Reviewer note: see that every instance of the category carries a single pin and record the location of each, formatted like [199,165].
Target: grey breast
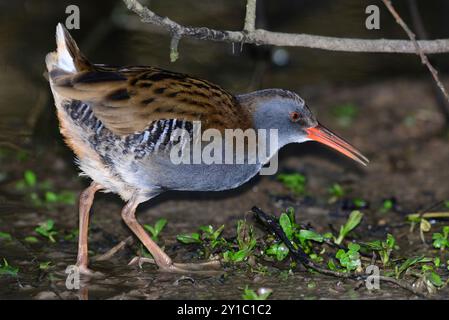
[143,159]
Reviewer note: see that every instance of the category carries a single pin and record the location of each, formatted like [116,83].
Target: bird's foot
[85,271]
[209,267]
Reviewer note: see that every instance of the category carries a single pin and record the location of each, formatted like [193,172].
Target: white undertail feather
[61,58]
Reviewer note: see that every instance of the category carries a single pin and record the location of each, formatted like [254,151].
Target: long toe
[85,271]
[209,267]
[205,268]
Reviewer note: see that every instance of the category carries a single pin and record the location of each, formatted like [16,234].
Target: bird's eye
[294,116]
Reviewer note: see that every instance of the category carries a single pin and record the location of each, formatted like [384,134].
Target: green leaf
[345,114]
[440,240]
[160,224]
[8,270]
[411,262]
[353,221]
[5,235]
[45,229]
[278,250]
[336,190]
[51,197]
[387,205]
[434,278]
[294,181]
[391,241]
[359,203]
[31,239]
[44,265]
[350,259]
[30,178]
[156,230]
[237,256]
[437,262]
[189,238]
[310,235]
[286,225]
[67,197]
[250,294]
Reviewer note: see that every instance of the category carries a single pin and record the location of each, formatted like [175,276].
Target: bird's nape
[323,135]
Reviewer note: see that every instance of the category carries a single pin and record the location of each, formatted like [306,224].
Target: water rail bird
[119,122]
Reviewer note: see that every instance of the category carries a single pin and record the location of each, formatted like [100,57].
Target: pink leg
[85,203]
[162,260]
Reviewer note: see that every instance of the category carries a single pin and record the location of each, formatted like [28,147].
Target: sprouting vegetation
[156,229]
[46,229]
[336,192]
[295,182]
[384,248]
[5,235]
[261,294]
[441,240]
[345,114]
[7,269]
[353,221]
[41,193]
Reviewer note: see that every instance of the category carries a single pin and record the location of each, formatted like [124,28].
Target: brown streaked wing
[128,100]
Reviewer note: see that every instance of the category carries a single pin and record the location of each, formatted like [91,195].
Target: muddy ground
[397,126]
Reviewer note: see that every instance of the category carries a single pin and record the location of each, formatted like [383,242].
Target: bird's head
[289,114]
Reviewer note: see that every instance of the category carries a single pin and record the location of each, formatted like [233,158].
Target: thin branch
[113,251]
[263,37]
[250,17]
[417,46]
[421,32]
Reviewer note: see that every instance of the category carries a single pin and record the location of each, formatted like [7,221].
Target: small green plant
[295,182]
[156,229]
[410,262]
[40,193]
[30,178]
[31,239]
[277,250]
[5,235]
[72,235]
[345,114]
[385,248]
[336,192]
[246,242]
[64,197]
[46,229]
[359,203]
[350,259]
[297,236]
[261,294]
[189,238]
[44,265]
[6,269]
[441,240]
[209,239]
[353,221]
[213,236]
[387,205]
[431,276]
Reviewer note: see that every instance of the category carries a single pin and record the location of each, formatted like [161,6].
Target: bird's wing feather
[128,100]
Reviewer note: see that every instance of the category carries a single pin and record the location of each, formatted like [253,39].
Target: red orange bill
[325,136]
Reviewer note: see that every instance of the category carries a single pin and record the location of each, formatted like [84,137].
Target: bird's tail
[67,58]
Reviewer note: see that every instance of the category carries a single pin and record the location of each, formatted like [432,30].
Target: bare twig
[264,37]
[120,246]
[422,34]
[417,46]
[250,17]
